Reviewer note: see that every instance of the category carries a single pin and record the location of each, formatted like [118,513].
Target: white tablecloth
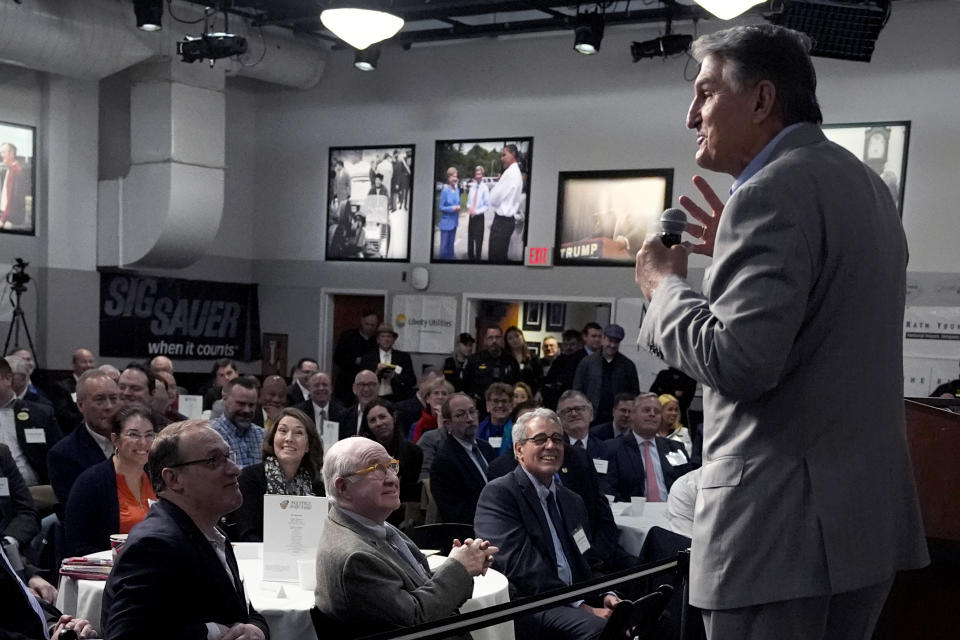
[285,606]
[633,529]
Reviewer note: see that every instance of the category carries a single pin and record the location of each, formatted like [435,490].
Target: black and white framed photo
[481,200]
[604,216]
[532,316]
[17,178]
[556,316]
[881,145]
[369,203]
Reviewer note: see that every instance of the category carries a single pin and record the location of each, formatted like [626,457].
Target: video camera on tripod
[18,278]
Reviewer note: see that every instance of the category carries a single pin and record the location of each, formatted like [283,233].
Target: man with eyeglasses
[542,531]
[459,472]
[370,576]
[576,414]
[177,576]
[89,443]
[365,390]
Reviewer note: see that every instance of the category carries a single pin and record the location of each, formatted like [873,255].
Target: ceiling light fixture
[727,9]
[366,60]
[149,14]
[840,29]
[361,28]
[588,33]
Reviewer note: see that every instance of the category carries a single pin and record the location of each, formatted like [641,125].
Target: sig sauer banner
[143,316]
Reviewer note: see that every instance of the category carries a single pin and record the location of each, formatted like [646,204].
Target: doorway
[340,312]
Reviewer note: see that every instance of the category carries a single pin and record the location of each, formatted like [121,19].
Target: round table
[285,605]
[633,529]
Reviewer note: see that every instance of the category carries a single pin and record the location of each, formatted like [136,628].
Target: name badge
[495,442]
[676,458]
[35,436]
[4,488]
[581,539]
[600,465]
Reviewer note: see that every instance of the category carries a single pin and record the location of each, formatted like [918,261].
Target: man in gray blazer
[371,577]
[803,514]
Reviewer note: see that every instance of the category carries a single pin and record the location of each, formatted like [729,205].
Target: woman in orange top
[113,496]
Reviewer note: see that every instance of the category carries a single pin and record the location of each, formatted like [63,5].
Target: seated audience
[321,405]
[136,385]
[459,472]
[540,529]
[177,576]
[171,414]
[365,386]
[436,394]
[292,459]
[114,495]
[299,391]
[111,371]
[97,398]
[408,411]
[670,426]
[495,428]
[28,612]
[380,426]
[643,463]
[371,577]
[224,370]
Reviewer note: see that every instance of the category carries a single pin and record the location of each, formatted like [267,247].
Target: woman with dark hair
[531,371]
[292,460]
[114,495]
[380,426]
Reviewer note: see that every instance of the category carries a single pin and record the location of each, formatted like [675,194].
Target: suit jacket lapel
[541,537]
[389,554]
[636,459]
[467,464]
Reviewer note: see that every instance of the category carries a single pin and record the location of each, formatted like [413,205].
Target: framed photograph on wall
[604,216]
[556,316]
[532,316]
[881,145]
[481,200]
[369,203]
[273,355]
[18,145]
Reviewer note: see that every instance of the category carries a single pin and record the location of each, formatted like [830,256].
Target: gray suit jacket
[364,584]
[806,487]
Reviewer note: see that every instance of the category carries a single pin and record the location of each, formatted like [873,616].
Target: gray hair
[573,393]
[338,461]
[519,431]
[645,396]
[756,52]
[86,376]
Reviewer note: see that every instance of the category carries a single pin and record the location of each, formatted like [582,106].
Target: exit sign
[539,257]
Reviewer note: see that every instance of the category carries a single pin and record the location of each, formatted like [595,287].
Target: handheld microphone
[672,224]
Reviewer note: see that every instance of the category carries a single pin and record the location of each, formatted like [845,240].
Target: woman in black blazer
[292,460]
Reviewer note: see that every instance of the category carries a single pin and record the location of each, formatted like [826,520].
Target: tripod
[18,284]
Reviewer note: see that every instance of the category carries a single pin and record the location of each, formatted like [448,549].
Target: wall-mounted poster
[604,216]
[881,145]
[532,316]
[17,161]
[480,200]
[369,201]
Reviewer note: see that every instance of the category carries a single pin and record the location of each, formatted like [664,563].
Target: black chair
[639,619]
[327,627]
[440,535]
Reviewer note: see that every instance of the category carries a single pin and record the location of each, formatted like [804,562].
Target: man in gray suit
[371,577]
[803,515]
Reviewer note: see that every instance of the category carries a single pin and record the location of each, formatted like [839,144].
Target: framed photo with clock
[881,145]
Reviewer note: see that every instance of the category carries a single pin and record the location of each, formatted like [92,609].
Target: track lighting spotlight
[588,33]
[149,14]
[366,59]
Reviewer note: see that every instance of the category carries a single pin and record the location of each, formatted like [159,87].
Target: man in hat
[393,367]
[453,366]
[605,373]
